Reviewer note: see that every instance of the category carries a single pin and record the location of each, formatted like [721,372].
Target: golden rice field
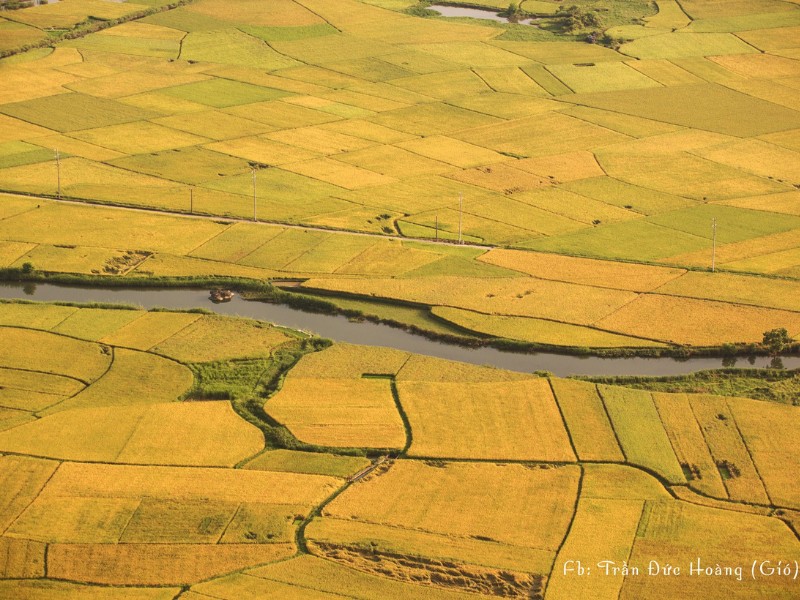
[155,491]
[499,182]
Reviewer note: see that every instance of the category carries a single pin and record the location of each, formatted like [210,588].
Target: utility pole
[460,213]
[191,201]
[254,195]
[58,172]
[714,245]
[437,228]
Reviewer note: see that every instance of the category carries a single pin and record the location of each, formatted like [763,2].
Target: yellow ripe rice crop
[280,115]
[138,138]
[69,260]
[157,564]
[318,141]
[678,532]
[177,266]
[75,519]
[670,15]
[522,296]
[150,329]
[40,382]
[116,85]
[757,157]
[71,12]
[338,173]
[769,432]
[513,421]
[24,559]
[615,275]
[739,251]
[731,455]
[698,106]
[56,354]
[33,316]
[601,77]
[764,66]
[738,289]
[236,242]
[542,135]
[689,444]
[697,322]
[181,483]
[413,542]
[11,251]
[620,482]
[327,579]
[481,495]
[281,13]
[562,167]
[58,590]
[313,463]
[580,209]
[22,479]
[75,147]
[166,521]
[241,585]
[392,258]
[587,422]
[343,412]
[345,361]
[218,338]
[196,433]
[590,541]
[683,45]
[510,80]
[538,331]
[213,124]
[506,106]
[664,72]
[501,178]
[640,432]
[395,162]
[427,368]
[134,378]
[262,150]
[785,202]
[94,323]
[331,254]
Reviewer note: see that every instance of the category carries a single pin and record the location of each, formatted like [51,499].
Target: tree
[776,340]
[575,18]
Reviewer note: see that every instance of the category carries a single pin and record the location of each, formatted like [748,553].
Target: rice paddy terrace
[604,178]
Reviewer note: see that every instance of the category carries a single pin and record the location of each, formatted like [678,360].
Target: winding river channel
[341,329]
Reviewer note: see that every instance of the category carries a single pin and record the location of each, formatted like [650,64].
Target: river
[341,329]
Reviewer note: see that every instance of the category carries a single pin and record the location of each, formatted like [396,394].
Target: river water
[341,329]
[476,13]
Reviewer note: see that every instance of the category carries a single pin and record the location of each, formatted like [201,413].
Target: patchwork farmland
[607,178]
[254,492]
